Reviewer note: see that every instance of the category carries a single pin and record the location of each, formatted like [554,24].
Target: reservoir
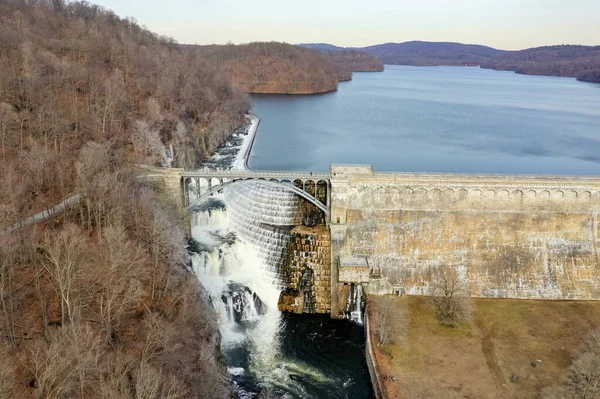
[435,119]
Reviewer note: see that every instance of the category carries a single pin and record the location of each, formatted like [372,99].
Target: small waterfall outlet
[355,304]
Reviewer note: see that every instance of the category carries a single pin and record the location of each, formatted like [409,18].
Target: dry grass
[477,360]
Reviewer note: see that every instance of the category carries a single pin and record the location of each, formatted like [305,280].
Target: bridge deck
[234,174]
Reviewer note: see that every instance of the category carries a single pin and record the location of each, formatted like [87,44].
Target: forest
[101,302]
[581,62]
[280,68]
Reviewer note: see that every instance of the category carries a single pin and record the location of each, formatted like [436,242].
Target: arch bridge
[314,187]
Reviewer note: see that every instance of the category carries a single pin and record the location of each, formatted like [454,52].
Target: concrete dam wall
[507,236]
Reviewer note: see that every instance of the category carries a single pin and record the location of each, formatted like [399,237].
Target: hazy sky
[505,24]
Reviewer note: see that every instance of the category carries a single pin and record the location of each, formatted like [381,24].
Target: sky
[503,24]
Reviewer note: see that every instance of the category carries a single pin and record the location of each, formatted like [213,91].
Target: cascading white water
[355,304]
[240,245]
[240,238]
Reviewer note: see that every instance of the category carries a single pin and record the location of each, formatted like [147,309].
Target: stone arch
[461,193]
[571,194]
[543,194]
[476,193]
[435,193]
[516,194]
[310,187]
[420,192]
[214,181]
[530,194]
[557,194]
[502,193]
[489,193]
[585,194]
[321,193]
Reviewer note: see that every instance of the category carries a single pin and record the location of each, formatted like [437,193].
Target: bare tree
[7,115]
[68,364]
[7,372]
[449,297]
[151,383]
[120,275]
[63,257]
[146,141]
[125,379]
[584,381]
[390,321]
[8,247]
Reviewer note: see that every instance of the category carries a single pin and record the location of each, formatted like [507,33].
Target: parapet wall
[509,236]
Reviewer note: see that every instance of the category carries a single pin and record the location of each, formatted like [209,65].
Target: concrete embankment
[241,161]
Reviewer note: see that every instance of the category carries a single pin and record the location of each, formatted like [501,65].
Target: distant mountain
[432,53]
[357,61]
[324,47]
[420,53]
[582,62]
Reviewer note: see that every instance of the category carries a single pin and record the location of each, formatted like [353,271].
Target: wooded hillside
[582,62]
[357,61]
[431,53]
[100,302]
[275,67]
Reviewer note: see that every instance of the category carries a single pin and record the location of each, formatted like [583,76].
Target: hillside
[356,61]
[431,53]
[582,62]
[275,67]
[324,47]
[100,302]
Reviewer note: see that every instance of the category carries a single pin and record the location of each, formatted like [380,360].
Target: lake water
[435,119]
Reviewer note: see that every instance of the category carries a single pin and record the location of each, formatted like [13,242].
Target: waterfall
[355,304]
[239,239]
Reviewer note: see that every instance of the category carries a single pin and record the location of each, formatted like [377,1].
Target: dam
[508,236]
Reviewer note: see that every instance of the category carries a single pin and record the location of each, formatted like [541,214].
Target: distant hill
[582,62]
[420,53]
[356,61]
[431,53]
[324,47]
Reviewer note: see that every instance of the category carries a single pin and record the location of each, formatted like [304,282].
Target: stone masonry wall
[306,269]
[508,236]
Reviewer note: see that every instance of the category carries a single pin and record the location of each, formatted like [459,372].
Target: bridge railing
[254,173]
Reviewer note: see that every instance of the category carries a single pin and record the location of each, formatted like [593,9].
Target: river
[435,119]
